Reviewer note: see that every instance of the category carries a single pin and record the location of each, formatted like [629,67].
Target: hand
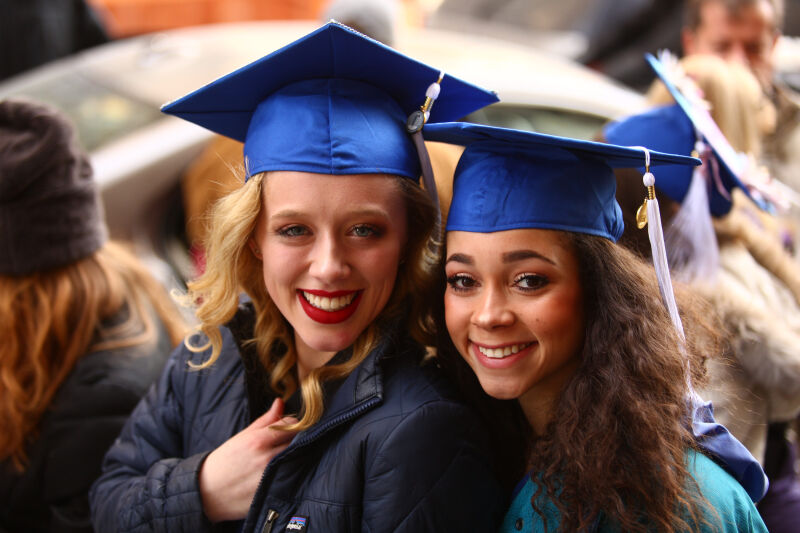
[230,474]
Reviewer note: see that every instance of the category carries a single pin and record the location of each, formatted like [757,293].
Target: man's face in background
[747,34]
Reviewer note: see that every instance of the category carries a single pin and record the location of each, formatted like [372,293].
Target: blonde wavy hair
[51,319]
[231,267]
[738,105]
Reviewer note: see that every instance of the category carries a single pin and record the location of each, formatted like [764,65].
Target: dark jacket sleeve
[432,471]
[146,483]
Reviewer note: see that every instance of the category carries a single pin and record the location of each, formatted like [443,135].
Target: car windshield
[100,115]
[562,122]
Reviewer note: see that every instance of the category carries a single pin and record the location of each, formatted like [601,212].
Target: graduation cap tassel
[416,121]
[649,214]
[715,437]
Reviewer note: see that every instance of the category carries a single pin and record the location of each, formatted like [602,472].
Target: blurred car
[113,93]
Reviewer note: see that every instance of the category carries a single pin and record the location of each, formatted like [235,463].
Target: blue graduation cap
[510,179]
[675,129]
[332,102]
[668,128]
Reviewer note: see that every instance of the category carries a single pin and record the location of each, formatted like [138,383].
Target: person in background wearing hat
[550,313]
[721,248]
[307,407]
[85,327]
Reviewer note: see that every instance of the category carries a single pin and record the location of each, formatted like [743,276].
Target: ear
[254,248]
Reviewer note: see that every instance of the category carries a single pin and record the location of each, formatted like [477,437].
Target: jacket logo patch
[297,523]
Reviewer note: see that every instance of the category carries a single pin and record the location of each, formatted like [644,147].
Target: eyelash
[373,230]
[289,231]
[538,281]
[286,231]
[453,280]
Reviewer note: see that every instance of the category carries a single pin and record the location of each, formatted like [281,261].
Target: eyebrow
[519,255]
[461,258]
[366,212]
[508,257]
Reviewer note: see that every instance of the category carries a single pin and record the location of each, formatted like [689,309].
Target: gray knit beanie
[50,211]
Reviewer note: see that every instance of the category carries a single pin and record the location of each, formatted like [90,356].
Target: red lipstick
[328,317]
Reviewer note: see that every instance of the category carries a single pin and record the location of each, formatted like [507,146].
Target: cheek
[381,263]
[562,317]
[456,315]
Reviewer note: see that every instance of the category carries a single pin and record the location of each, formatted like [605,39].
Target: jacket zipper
[272,515]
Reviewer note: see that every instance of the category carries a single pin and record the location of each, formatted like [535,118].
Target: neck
[539,403]
[308,358]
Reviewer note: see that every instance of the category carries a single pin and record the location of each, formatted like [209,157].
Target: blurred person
[747,31]
[308,406]
[85,327]
[374,18]
[33,32]
[730,255]
[552,315]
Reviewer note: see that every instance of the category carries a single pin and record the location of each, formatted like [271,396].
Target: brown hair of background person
[738,30]
[85,327]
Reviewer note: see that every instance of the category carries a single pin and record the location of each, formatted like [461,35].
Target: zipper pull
[272,515]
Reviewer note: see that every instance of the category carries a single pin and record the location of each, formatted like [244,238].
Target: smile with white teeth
[329,304]
[505,351]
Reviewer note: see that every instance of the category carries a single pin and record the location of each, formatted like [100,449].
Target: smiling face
[330,247]
[513,308]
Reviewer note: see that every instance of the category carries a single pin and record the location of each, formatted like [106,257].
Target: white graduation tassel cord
[659,253]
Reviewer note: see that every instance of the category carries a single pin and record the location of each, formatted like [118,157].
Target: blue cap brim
[464,134]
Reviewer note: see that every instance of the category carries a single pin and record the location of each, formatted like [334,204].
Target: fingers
[270,417]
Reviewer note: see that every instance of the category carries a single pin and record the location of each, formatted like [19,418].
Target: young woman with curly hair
[86,328]
[548,311]
[308,407]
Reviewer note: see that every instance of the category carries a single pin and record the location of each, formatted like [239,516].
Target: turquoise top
[735,511]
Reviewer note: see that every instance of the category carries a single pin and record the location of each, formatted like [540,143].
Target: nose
[737,54]
[492,311]
[329,259]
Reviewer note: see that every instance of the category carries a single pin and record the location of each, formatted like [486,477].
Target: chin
[499,390]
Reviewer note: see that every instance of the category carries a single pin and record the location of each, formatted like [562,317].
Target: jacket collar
[357,392]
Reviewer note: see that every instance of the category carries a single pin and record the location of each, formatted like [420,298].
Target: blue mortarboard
[510,179]
[675,129]
[332,102]
[668,128]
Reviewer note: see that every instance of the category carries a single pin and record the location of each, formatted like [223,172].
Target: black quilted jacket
[394,451]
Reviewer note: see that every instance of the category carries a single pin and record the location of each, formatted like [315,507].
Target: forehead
[759,11]
[490,245]
[306,191]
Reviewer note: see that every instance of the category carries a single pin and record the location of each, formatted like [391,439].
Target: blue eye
[530,282]
[293,231]
[365,230]
[461,282]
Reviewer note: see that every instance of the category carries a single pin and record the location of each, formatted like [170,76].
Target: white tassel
[659,253]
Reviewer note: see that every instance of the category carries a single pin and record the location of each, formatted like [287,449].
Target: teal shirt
[735,511]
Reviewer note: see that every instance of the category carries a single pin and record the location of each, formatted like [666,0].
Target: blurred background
[559,66]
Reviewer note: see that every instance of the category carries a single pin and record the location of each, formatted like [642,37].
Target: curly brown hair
[616,444]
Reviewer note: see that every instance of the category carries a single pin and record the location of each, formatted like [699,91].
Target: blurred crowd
[86,329]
